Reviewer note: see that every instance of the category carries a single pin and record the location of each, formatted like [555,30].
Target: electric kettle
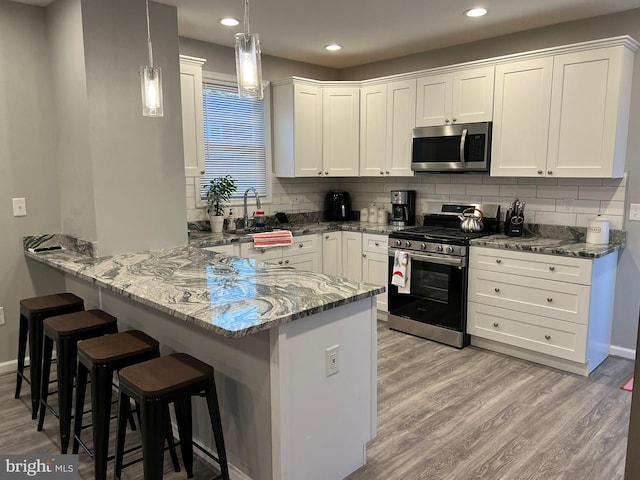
[471,220]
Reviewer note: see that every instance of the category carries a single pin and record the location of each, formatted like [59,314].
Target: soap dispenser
[231,222]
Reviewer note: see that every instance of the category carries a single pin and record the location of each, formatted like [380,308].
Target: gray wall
[27,167]
[625,324]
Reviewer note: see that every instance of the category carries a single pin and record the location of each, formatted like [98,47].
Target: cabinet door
[307,119]
[192,117]
[352,255]
[341,131]
[307,261]
[272,255]
[473,95]
[332,253]
[373,130]
[375,271]
[521,118]
[433,100]
[401,112]
[587,117]
[228,249]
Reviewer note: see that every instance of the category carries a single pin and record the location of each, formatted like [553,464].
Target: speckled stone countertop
[230,296]
[566,246]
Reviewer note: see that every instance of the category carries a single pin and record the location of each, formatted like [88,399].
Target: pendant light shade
[248,62]
[151,81]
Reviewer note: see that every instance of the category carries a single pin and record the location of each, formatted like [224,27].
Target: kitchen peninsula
[266,330]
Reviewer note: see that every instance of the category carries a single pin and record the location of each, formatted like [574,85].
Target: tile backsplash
[553,201]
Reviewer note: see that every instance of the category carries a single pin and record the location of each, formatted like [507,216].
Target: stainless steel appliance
[337,205]
[403,207]
[462,147]
[435,305]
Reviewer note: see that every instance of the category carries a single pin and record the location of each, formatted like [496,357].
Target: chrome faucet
[246,214]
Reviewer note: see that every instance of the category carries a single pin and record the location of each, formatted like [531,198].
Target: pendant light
[248,64]
[151,81]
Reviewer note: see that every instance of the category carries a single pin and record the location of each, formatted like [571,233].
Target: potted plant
[221,189]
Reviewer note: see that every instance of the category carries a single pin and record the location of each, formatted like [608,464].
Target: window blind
[234,138]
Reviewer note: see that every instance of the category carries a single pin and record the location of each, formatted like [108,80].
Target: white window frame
[268,199]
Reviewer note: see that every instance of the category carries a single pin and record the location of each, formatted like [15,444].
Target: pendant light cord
[246,18]
[149,35]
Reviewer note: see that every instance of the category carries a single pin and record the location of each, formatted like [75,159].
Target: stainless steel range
[432,303]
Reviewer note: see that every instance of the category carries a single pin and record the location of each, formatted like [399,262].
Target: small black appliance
[403,207]
[337,205]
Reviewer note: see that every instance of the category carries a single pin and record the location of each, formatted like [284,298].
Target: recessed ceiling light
[476,12]
[229,22]
[334,47]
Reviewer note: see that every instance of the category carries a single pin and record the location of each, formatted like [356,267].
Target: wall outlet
[19,207]
[332,360]
[634,212]
[1,315]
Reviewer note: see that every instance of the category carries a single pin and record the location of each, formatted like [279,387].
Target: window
[236,136]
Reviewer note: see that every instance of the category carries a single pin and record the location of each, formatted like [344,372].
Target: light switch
[19,207]
[634,212]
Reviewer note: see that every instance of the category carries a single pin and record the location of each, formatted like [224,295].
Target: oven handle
[452,261]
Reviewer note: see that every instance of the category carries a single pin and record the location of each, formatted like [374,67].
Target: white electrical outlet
[19,207]
[1,315]
[634,212]
[332,360]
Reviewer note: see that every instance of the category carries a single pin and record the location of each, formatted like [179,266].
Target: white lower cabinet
[352,255]
[554,310]
[232,249]
[303,253]
[332,253]
[375,261]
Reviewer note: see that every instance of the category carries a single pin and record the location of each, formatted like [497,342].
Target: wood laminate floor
[443,414]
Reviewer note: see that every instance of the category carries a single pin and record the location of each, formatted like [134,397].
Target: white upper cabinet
[590,101]
[192,115]
[563,116]
[464,96]
[387,114]
[315,129]
[521,118]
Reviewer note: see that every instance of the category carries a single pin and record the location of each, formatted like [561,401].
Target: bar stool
[100,357]
[153,385]
[33,311]
[66,331]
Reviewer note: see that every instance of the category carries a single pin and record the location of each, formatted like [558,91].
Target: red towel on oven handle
[280,238]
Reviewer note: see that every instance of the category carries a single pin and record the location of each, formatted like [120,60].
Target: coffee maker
[403,207]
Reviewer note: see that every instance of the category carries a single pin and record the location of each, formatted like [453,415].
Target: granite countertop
[570,247]
[230,296]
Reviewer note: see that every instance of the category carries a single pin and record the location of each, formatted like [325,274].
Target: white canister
[364,214]
[382,217]
[373,212]
[598,230]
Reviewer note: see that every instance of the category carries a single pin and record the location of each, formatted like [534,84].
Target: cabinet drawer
[552,337]
[247,250]
[228,249]
[303,244]
[374,243]
[566,301]
[551,267]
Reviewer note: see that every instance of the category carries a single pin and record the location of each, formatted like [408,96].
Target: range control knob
[449,249]
[423,246]
[407,243]
[398,243]
[439,248]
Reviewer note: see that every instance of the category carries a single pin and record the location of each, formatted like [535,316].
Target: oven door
[437,291]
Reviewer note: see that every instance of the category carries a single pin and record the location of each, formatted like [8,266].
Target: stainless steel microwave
[464,147]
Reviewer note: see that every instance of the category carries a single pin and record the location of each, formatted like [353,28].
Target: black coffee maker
[403,207]
[337,205]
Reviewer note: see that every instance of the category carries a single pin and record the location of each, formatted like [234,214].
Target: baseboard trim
[622,352]
[10,366]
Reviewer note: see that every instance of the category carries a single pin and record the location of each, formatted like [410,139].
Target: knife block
[511,229]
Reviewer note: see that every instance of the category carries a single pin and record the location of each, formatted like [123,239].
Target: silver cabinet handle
[387,172]
[202,172]
[552,268]
[495,324]
[326,237]
[377,244]
[497,290]
[286,262]
[300,245]
[319,173]
[454,119]
[280,262]
[364,255]
[263,250]
[549,172]
[446,120]
[549,299]
[326,173]
[540,172]
[547,337]
[381,172]
[498,260]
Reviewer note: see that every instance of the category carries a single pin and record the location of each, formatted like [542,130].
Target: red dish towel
[280,238]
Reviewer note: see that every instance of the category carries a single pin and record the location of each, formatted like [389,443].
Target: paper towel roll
[598,230]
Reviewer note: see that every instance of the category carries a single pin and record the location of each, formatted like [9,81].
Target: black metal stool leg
[185,430]
[22,351]
[101,378]
[216,425]
[123,411]
[171,442]
[35,359]
[153,436]
[67,355]
[81,387]
[44,392]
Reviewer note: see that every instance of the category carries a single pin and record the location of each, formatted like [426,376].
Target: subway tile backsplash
[555,201]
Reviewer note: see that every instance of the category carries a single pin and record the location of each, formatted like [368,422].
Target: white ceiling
[373,30]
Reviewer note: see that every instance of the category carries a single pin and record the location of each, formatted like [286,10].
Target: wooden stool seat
[32,313]
[99,358]
[153,385]
[66,331]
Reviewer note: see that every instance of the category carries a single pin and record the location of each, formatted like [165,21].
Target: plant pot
[217,221]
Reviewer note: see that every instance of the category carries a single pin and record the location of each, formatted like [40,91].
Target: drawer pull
[364,255]
[326,237]
[286,262]
[549,299]
[263,250]
[377,244]
[280,262]
[496,324]
[498,260]
[300,245]
[547,337]
[552,268]
[497,290]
